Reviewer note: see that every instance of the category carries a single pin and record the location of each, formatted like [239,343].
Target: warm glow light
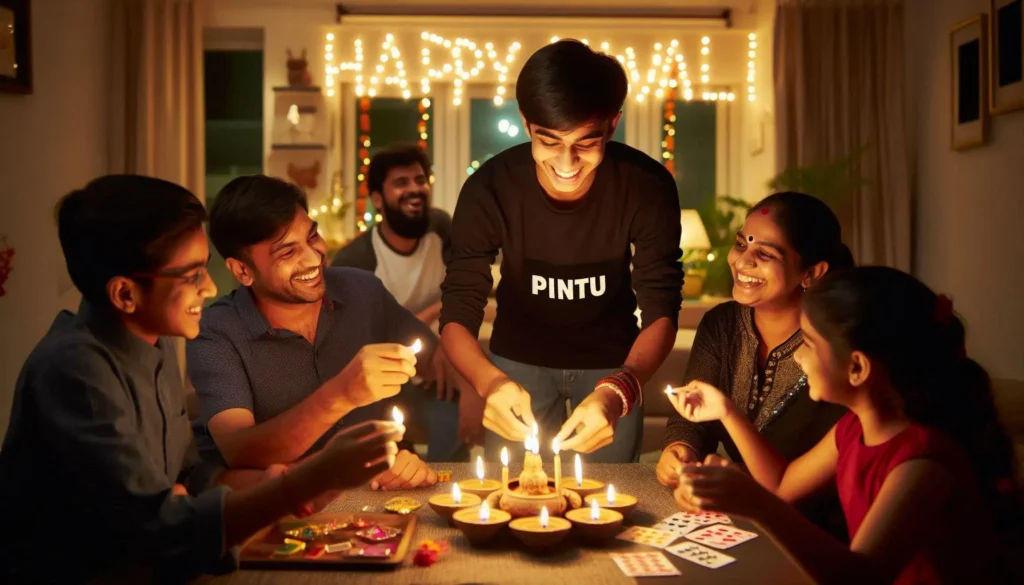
[544,517]
[595,512]
[330,36]
[554,445]
[504,456]
[485,512]
[397,416]
[456,493]
[611,494]
[416,346]
[480,468]
[669,390]
[579,471]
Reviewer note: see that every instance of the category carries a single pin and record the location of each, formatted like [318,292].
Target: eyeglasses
[193,279]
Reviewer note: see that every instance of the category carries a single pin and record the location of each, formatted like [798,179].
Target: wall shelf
[298,88]
[299,146]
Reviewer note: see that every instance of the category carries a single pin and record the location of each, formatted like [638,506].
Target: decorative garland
[364,164]
[6,263]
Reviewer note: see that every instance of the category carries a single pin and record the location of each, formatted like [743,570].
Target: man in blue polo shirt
[290,357]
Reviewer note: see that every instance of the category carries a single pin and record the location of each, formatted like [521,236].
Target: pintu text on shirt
[568,288]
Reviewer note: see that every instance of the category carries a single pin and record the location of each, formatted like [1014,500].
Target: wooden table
[757,561]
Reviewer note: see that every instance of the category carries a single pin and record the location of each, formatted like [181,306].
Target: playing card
[648,564]
[702,555]
[679,524]
[720,536]
[648,536]
[706,518]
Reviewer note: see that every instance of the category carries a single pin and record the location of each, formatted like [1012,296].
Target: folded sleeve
[89,416]
[475,241]
[654,233]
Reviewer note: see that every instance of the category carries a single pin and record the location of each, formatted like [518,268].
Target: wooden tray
[258,551]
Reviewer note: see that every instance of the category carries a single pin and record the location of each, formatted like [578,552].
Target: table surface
[757,560]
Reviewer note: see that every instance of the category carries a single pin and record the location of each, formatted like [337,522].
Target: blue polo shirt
[240,361]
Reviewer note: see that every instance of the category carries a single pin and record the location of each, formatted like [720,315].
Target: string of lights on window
[460,61]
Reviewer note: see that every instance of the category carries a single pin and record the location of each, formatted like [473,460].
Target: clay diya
[480,525]
[595,525]
[480,486]
[445,505]
[582,485]
[540,533]
[621,503]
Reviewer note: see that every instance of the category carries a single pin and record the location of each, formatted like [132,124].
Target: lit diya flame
[669,390]
[544,517]
[397,416]
[480,468]
[611,494]
[485,512]
[504,456]
[416,346]
[579,471]
[595,512]
[456,493]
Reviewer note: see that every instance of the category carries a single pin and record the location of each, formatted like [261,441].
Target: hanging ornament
[6,263]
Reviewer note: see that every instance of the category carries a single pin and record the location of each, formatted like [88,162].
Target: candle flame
[397,415]
[456,493]
[480,468]
[416,346]
[579,471]
[544,517]
[554,445]
[669,390]
[595,512]
[504,456]
[611,494]
[485,512]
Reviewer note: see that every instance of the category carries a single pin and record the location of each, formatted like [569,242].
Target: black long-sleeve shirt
[566,297]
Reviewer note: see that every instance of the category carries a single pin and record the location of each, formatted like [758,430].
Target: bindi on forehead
[765,211]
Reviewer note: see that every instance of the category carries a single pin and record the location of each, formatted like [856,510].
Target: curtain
[156,110]
[839,87]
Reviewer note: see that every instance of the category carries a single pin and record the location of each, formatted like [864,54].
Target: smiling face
[171,302]
[826,375]
[405,200]
[566,160]
[288,267]
[766,271]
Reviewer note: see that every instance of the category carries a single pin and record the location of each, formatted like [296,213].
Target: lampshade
[694,236]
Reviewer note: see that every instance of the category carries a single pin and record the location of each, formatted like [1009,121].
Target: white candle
[558,467]
[416,346]
[579,471]
[611,494]
[485,512]
[544,517]
[504,466]
[456,493]
[480,469]
[595,512]
[397,416]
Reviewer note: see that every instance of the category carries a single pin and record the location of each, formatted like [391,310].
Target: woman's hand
[700,402]
[723,488]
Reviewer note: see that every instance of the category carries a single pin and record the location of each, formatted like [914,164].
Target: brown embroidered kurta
[724,354]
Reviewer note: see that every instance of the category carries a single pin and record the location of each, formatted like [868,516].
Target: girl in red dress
[923,468]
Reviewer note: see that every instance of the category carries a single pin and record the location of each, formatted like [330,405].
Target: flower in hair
[943,309]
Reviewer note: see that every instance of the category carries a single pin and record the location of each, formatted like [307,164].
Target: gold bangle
[621,394]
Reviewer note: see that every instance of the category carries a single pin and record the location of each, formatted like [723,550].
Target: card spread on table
[720,536]
[702,555]
[648,536]
[706,518]
[678,524]
[648,564]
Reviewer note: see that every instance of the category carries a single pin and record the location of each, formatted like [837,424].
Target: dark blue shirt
[239,361]
[99,435]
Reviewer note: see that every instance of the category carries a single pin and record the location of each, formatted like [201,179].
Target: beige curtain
[156,111]
[838,86]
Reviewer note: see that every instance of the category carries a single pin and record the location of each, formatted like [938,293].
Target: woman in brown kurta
[745,346]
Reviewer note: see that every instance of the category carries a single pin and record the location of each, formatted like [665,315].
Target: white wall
[754,143]
[53,141]
[969,211]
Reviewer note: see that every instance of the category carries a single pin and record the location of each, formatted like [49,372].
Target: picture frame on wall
[15,47]
[968,42]
[1006,56]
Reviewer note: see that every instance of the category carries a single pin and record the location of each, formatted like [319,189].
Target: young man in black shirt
[570,212]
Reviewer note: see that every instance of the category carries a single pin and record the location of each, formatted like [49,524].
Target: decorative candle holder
[538,537]
[589,486]
[517,500]
[480,531]
[445,505]
[623,503]
[480,487]
[595,525]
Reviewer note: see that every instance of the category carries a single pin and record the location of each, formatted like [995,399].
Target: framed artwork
[1006,55]
[15,47]
[969,96]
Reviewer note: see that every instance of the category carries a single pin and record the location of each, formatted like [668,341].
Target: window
[495,128]
[383,121]
[689,138]
[233,82]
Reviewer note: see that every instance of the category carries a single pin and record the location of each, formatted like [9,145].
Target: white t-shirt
[413,279]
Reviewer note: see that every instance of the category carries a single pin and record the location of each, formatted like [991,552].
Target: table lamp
[694,238]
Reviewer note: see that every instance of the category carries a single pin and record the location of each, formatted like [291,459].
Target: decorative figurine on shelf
[6,263]
[307,177]
[298,70]
[533,491]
